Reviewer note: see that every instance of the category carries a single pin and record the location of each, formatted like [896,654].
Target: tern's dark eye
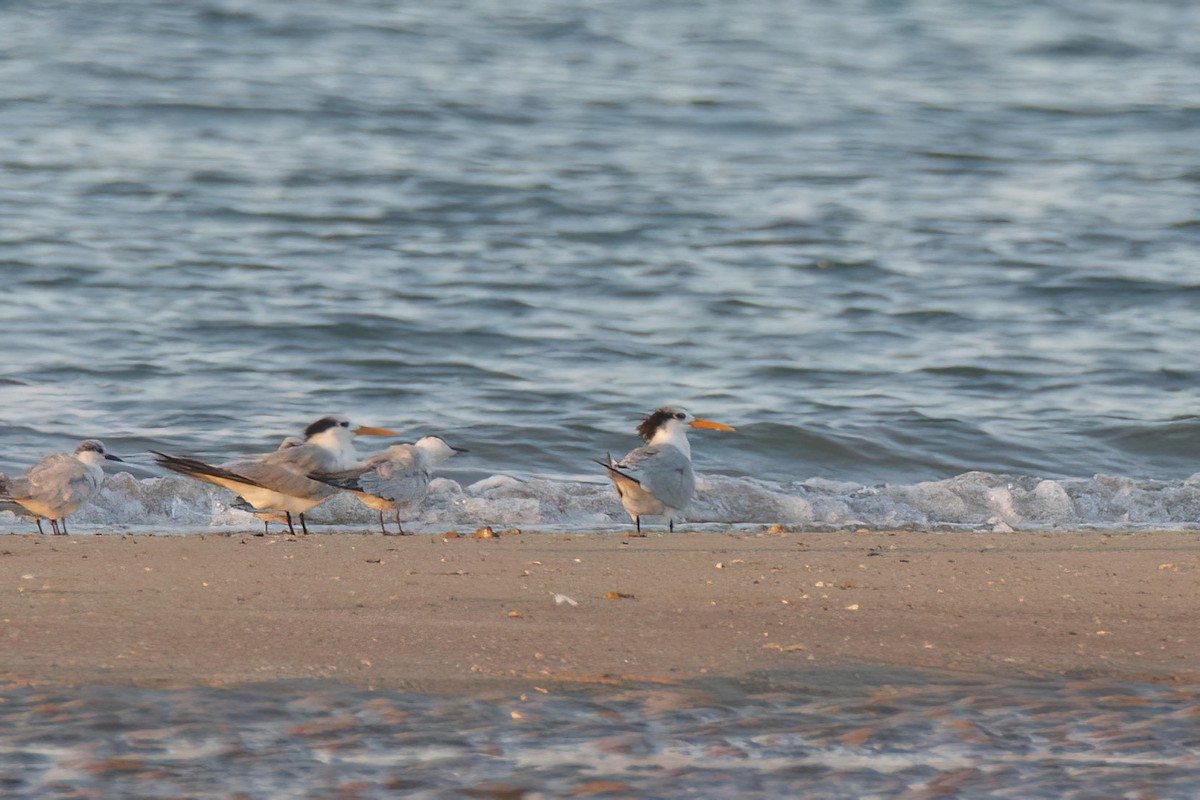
[344,424]
[678,415]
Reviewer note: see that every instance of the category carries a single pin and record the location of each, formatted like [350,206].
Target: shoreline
[429,614]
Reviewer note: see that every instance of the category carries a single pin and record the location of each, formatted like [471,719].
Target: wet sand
[447,615]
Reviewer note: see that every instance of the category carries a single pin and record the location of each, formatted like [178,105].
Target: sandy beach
[434,614]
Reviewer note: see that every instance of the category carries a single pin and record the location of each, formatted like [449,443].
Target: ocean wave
[973,501]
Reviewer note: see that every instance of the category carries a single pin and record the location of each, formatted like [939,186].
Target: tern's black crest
[324,424]
[656,420]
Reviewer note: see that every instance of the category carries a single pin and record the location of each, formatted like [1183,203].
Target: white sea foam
[978,501]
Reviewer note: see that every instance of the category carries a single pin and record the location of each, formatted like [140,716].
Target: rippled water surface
[935,260]
[900,242]
[914,737]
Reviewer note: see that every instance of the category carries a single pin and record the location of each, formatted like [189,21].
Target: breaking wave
[976,501]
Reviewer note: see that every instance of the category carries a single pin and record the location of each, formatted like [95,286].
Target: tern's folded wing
[281,479]
[302,459]
[401,480]
[663,471]
[61,478]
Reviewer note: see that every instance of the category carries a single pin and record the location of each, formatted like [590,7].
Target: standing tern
[658,479]
[394,479]
[279,481]
[59,484]
[267,516]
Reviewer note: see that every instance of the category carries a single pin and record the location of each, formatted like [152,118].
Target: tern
[395,479]
[279,481]
[267,516]
[59,484]
[658,480]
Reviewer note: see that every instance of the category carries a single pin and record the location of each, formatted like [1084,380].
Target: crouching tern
[59,484]
[658,480]
[396,479]
[279,481]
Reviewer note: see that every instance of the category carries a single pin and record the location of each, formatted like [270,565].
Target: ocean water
[935,260]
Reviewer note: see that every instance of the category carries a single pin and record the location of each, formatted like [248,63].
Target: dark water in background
[890,241]
[947,246]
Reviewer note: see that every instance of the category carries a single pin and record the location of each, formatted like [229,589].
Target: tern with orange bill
[658,480]
[279,481]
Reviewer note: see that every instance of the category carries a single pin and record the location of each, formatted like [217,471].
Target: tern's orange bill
[363,430]
[708,423]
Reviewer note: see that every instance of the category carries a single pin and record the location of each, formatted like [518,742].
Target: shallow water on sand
[850,734]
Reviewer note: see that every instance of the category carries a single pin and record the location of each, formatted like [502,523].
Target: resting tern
[658,479]
[394,479]
[279,481]
[59,484]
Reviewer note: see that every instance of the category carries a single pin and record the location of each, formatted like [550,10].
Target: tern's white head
[335,434]
[335,429]
[92,453]
[436,449]
[668,425]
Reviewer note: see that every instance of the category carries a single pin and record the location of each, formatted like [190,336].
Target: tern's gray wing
[663,471]
[61,481]
[397,474]
[19,486]
[403,478]
[279,478]
[248,472]
[304,458]
[9,505]
[348,478]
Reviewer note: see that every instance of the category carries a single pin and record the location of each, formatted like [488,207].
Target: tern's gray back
[14,487]
[663,471]
[403,476]
[280,477]
[287,469]
[304,459]
[61,481]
